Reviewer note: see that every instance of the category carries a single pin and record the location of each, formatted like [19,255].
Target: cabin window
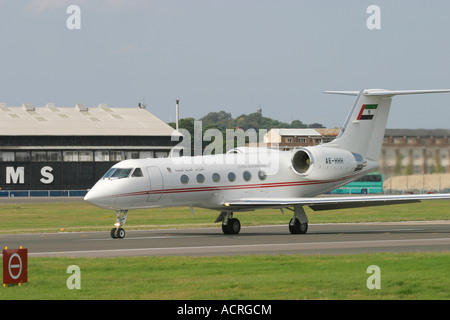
[247,175]
[262,175]
[184,179]
[200,178]
[231,176]
[216,177]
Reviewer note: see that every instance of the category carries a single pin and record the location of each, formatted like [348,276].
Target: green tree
[223,120]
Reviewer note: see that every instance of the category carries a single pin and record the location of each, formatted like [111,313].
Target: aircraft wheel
[225,229]
[235,226]
[295,227]
[117,233]
[120,233]
[232,227]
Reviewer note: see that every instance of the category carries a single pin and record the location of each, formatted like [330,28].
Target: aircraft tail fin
[363,130]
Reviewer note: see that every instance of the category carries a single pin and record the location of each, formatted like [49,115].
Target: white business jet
[247,179]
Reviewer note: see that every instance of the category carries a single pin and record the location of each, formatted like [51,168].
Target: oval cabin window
[184,179]
[200,178]
[216,177]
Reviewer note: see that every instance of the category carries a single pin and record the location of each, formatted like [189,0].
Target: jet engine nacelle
[319,163]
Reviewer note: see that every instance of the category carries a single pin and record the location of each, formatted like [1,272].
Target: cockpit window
[121,173]
[137,173]
[109,173]
[117,173]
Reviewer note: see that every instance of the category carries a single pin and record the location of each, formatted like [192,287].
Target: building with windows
[415,151]
[290,138]
[55,148]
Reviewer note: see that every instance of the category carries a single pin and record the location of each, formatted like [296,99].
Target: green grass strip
[287,277]
[80,216]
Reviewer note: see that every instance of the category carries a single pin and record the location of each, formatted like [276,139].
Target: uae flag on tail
[367,112]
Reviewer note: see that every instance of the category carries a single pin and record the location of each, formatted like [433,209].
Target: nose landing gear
[118,232]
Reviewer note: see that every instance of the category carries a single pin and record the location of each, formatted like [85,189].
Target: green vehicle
[371,183]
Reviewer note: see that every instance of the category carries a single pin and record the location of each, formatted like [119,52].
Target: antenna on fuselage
[177,113]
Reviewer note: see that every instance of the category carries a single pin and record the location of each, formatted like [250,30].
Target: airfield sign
[15,266]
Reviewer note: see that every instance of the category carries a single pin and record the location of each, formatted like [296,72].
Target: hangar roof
[80,121]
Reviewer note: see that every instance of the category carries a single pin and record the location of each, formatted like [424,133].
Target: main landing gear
[118,232]
[230,225]
[297,225]
[299,222]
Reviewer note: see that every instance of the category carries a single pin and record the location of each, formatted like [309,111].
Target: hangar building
[51,148]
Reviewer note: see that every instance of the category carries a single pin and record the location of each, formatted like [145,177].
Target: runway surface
[320,239]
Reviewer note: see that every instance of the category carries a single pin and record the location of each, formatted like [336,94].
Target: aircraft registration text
[334,160]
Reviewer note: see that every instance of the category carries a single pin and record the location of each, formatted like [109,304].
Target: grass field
[403,276]
[80,216]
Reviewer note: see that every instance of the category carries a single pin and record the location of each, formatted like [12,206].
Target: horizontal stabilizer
[383,92]
[345,93]
[402,92]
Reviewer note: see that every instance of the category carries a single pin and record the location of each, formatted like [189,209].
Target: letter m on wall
[15,175]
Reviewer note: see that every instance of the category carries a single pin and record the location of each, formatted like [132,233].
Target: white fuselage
[211,181]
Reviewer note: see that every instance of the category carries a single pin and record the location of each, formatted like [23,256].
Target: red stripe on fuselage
[230,187]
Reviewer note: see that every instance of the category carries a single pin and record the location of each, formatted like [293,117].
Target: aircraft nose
[89,196]
[96,197]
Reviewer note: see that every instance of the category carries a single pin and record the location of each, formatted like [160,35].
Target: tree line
[223,120]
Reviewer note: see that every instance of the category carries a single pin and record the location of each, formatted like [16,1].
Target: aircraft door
[156,184]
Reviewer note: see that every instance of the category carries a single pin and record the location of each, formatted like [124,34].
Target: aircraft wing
[332,202]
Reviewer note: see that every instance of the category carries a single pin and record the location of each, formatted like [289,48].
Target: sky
[231,55]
